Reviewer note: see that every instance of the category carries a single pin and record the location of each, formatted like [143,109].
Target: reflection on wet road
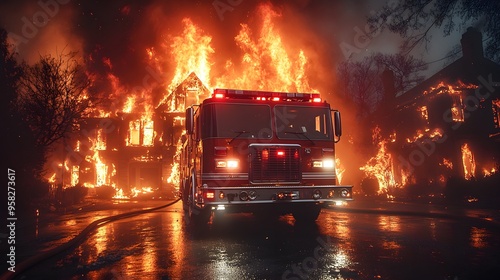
[238,246]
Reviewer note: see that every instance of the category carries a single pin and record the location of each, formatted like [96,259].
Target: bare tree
[19,149]
[406,69]
[53,97]
[415,19]
[360,83]
[361,80]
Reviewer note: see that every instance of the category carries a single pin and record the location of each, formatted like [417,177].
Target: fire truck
[268,153]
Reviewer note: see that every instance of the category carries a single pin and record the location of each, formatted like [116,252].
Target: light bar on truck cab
[265,95]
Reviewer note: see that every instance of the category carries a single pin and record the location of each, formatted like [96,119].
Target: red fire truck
[260,152]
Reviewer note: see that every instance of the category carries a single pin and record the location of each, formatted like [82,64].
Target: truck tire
[306,213]
[196,216]
[185,195]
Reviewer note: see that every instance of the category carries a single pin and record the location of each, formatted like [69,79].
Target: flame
[405,177]
[469,163]
[266,63]
[443,87]
[100,143]
[496,112]
[148,127]
[102,174]
[457,110]
[141,132]
[52,179]
[339,170]
[434,135]
[101,170]
[120,195]
[393,137]
[381,166]
[75,175]
[489,171]
[174,174]
[447,163]
[191,52]
[129,104]
[144,190]
[423,111]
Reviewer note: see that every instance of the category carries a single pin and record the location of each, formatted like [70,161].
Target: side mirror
[337,125]
[190,120]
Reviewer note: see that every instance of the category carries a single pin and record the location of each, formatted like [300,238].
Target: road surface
[343,244]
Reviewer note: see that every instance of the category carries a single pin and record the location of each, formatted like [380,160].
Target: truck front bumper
[251,195]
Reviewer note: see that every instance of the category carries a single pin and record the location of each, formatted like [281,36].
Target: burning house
[132,144]
[449,125]
[133,152]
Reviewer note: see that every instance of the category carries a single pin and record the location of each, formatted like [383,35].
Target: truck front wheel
[195,216]
[306,213]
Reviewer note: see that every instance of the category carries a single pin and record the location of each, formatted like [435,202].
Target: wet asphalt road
[341,245]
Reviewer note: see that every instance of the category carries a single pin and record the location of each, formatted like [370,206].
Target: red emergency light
[266,95]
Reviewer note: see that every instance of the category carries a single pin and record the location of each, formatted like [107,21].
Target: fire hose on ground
[32,261]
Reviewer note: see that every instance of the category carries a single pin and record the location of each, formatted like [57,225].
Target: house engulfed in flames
[132,152]
[448,126]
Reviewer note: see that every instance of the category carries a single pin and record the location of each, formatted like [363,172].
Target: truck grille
[274,163]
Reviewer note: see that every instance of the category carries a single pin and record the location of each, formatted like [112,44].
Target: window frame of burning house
[238,120]
[495,106]
[315,123]
[457,108]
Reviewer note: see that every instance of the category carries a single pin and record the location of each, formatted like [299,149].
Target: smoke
[39,28]
[113,36]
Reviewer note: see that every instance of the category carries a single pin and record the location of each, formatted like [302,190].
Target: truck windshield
[237,121]
[308,123]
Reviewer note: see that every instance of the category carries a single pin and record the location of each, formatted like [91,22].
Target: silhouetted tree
[406,69]
[18,143]
[361,80]
[415,19]
[53,97]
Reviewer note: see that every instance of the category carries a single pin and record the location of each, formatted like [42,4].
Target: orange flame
[129,104]
[381,166]
[174,177]
[191,52]
[447,163]
[489,171]
[442,87]
[266,63]
[469,163]
[434,135]
[339,170]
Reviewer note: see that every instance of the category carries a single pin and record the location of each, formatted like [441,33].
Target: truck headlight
[325,163]
[328,163]
[226,163]
[232,164]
